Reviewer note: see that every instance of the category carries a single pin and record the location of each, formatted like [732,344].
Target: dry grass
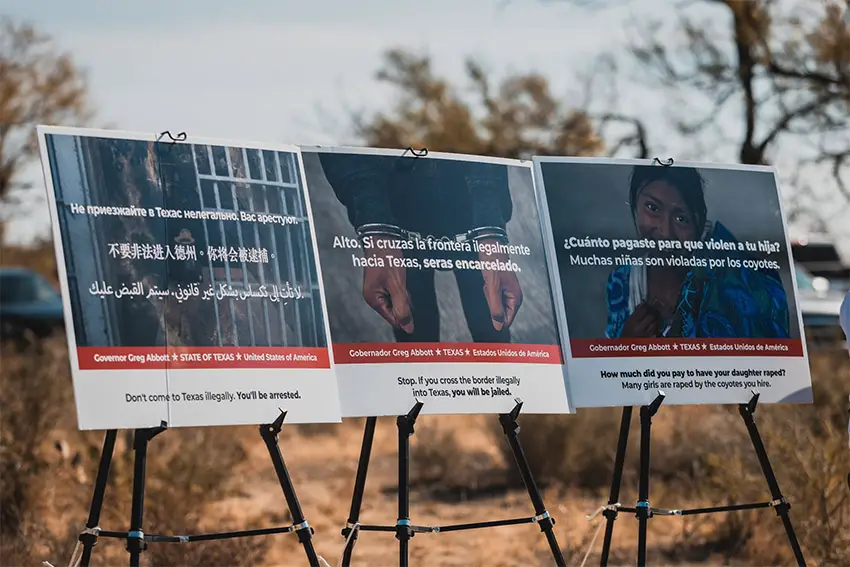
[703,456]
[448,465]
[216,479]
[809,450]
[48,468]
[34,405]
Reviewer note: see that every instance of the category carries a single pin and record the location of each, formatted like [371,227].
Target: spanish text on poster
[439,289]
[674,278]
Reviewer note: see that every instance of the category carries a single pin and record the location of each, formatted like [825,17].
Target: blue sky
[288,71]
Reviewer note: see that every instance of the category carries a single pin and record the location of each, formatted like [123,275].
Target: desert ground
[203,480]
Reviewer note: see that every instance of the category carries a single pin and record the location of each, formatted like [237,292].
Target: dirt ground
[203,480]
[323,468]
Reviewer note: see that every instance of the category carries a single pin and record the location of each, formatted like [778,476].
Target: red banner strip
[624,348]
[180,358]
[390,353]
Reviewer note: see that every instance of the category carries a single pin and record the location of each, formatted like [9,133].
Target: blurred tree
[759,74]
[515,119]
[764,74]
[38,85]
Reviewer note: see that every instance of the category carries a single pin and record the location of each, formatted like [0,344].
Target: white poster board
[189,279]
[677,279]
[437,283]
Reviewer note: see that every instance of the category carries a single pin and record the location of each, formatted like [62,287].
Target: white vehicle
[820,305]
[820,256]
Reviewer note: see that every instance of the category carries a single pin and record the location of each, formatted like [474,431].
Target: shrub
[703,453]
[35,400]
[807,445]
[449,459]
[576,450]
[44,495]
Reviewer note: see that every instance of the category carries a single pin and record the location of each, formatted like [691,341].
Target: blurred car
[820,306]
[819,256]
[28,304]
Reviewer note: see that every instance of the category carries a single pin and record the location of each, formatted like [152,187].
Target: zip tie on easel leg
[77,554]
[782,502]
[603,509]
[417,529]
[600,510]
[352,530]
[540,517]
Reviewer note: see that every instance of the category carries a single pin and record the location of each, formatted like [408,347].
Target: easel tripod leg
[89,539]
[780,504]
[616,482]
[403,531]
[644,511]
[546,523]
[359,487]
[303,530]
[136,537]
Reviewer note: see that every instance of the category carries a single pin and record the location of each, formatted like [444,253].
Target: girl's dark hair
[686,179]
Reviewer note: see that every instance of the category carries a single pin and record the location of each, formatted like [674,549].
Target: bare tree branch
[776,73]
[38,85]
[637,138]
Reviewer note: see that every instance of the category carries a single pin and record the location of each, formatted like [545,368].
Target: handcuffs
[481,233]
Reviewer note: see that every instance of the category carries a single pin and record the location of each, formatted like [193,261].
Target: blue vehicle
[28,304]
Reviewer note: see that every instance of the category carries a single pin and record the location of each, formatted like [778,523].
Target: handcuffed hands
[501,290]
[385,291]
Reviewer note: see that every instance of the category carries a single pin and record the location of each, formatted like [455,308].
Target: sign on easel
[438,289]
[672,277]
[189,280]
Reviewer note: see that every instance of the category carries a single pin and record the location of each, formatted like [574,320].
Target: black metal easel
[644,511]
[403,528]
[137,540]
